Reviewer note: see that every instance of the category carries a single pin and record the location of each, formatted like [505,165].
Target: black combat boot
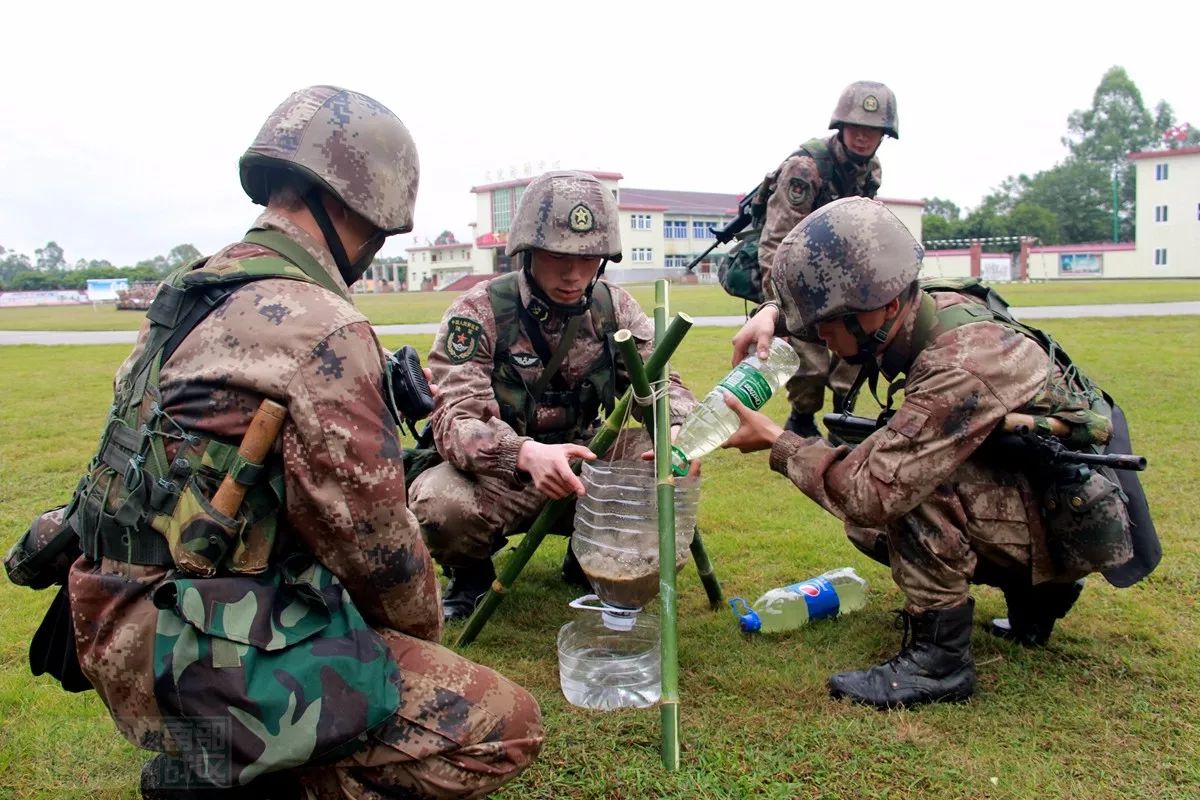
[934,664]
[801,425]
[166,777]
[1033,610]
[572,573]
[468,584]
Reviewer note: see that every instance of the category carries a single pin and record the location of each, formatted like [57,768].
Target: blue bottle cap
[747,618]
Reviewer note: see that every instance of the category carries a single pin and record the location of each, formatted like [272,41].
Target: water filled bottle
[611,659]
[752,381]
[839,591]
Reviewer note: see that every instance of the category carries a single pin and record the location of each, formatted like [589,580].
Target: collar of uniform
[899,355]
[539,309]
[273,221]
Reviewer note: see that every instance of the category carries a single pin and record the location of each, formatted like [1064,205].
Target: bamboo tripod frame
[667,339]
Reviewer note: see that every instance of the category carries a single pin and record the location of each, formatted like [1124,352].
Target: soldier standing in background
[945,512]
[821,171]
[524,365]
[314,635]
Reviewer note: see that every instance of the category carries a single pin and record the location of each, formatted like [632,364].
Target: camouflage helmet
[346,143]
[566,212]
[850,255]
[870,104]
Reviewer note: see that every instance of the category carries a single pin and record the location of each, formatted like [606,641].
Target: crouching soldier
[925,493]
[525,364]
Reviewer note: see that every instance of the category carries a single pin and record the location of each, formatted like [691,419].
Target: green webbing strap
[293,252]
[551,368]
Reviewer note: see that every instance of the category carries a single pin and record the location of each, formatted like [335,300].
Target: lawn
[700,301]
[1110,710]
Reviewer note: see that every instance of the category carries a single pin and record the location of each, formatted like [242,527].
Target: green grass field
[1110,710]
[698,301]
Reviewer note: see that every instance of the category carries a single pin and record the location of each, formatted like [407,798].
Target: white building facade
[1168,213]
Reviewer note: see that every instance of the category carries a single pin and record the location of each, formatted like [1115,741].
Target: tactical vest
[581,403]
[138,506]
[739,272]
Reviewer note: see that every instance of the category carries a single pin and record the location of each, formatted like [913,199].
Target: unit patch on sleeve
[462,338]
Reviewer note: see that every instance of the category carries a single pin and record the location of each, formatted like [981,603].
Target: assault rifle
[1016,438]
[725,233]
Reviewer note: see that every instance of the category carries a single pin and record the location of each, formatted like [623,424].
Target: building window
[639,222]
[642,254]
[1160,256]
[676,261]
[1160,172]
[1160,213]
[701,230]
[675,229]
[501,210]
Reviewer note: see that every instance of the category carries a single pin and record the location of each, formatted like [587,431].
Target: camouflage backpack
[738,271]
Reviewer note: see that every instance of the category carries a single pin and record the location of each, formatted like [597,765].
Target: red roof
[710,203]
[491,187]
[1182,151]
[892,201]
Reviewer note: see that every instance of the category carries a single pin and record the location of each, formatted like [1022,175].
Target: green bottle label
[679,462]
[748,385]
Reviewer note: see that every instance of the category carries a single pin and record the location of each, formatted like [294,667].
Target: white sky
[122,123]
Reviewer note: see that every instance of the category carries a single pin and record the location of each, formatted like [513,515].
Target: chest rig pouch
[546,408]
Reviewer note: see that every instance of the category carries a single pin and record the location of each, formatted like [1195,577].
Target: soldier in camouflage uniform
[338,174]
[944,514]
[524,364]
[843,165]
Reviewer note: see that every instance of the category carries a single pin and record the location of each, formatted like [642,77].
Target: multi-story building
[661,229]
[1168,213]
[436,266]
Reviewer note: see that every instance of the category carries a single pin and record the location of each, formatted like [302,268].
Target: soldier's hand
[757,333]
[549,465]
[757,431]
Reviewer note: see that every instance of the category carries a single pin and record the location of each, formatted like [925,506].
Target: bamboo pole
[638,381]
[554,509]
[668,630]
[708,576]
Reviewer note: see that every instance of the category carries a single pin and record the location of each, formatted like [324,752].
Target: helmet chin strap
[566,309]
[350,272]
[869,344]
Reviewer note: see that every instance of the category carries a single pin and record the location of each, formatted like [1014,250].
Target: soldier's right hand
[549,466]
[757,332]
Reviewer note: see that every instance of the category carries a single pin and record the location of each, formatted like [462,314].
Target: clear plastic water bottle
[604,667]
[752,381]
[837,592]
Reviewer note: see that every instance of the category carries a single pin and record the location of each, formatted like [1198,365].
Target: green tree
[1116,124]
[1079,195]
[938,207]
[11,263]
[181,254]
[49,257]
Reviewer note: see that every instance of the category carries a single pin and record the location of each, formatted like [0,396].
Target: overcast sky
[122,123]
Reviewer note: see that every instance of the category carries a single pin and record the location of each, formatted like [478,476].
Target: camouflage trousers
[983,525]
[466,517]
[462,730]
[818,368]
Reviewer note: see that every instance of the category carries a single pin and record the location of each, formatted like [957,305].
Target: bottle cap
[747,618]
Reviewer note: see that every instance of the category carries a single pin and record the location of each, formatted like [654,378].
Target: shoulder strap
[504,297]
[296,256]
[551,367]
[818,150]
